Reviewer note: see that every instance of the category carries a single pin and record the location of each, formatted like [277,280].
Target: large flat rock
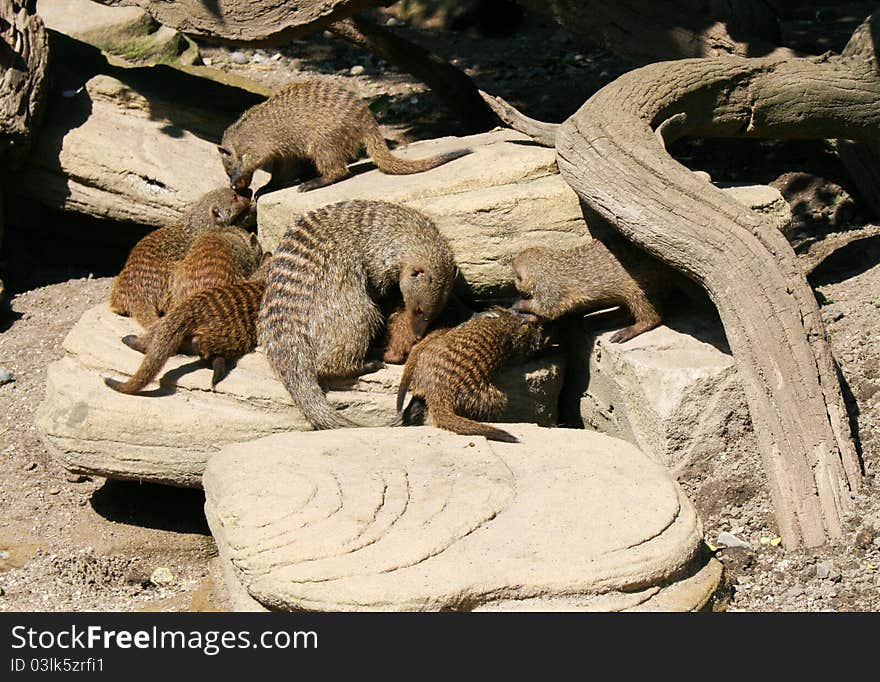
[168,435]
[505,196]
[376,519]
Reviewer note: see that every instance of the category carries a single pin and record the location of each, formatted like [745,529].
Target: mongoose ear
[215,213]
[224,151]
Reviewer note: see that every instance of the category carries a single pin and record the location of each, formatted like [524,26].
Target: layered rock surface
[168,435]
[421,519]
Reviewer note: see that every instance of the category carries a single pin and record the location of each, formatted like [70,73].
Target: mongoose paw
[625,334]
[135,343]
[373,366]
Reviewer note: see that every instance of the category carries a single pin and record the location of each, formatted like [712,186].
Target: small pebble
[730,540]
[30,466]
[5,376]
[823,570]
[207,61]
[864,538]
[357,70]
[238,58]
[258,58]
[275,57]
[162,576]
[54,491]
[391,21]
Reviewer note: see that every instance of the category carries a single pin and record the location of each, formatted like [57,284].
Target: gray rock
[6,376]
[824,570]
[357,70]
[238,57]
[420,519]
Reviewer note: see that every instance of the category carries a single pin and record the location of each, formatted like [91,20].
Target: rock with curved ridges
[169,434]
[376,519]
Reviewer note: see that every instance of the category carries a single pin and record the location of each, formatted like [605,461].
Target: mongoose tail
[387,162]
[164,339]
[443,417]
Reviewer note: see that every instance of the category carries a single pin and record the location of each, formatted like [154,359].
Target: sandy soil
[73,543]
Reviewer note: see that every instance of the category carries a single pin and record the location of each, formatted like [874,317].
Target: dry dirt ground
[72,543]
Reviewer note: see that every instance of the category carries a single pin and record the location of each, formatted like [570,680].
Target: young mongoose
[141,289]
[555,282]
[450,372]
[215,259]
[319,313]
[314,120]
[221,322]
[399,337]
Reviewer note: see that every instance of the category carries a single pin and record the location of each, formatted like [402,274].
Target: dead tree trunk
[451,85]
[611,151]
[24,57]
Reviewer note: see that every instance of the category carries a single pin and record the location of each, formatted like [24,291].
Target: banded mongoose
[141,289]
[450,372]
[215,259]
[399,337]
[314,120]
[221,322]
[319,313]
[555,282]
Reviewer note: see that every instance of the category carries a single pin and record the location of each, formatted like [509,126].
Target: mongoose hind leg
[330,164]
[484,403]
[138,343]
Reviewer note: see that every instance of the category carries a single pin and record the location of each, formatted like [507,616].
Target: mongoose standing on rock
[450,372]
[555,282]
[221,321]
[141,289]
[319,313]
[312,120]
[215,259]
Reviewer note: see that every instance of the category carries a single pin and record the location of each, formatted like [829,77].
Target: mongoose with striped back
[450,372]
[319,314]
[220,321]
[399,337]
[141,289]
[215,259]
[556,282]
[317,121]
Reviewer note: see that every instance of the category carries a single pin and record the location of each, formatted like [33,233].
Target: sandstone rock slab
[672,391]
[127,32]
[105,152]
[372,519]
[503,197]
[168,435]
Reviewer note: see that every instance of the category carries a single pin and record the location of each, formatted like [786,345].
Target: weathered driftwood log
[263,22]
[24,56]
[645,31]
[611,151]
[451,85]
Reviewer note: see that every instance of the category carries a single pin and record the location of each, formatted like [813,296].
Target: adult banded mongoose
[555,282]
[399,337]
[450,372]
[314,120]
[221,322]
[319,314]
[215,259]
[141,289]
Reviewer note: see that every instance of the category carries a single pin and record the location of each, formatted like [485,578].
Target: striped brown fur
[215,259]
[141,289]
[399,337]
[450,372]
[319,314]
[555,282]
[220,321]
[314,120]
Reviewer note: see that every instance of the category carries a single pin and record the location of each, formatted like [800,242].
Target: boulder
[505,196]
[425,520]
[110,152]
[169,434]
[672,391]
[126,32]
